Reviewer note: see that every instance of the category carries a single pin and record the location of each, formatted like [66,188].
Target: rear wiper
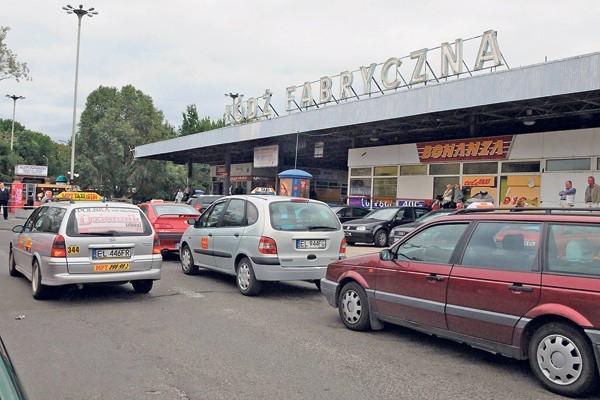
[327,228]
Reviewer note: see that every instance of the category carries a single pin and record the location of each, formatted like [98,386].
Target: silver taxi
[67,243]
[264,238]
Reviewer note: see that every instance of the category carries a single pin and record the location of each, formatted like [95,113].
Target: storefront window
[480,168]
[386,171]
[440,184]
[531,166]
[444,169]
[360,171]
[413,170]
[569,164]
[360,187]
[384,187]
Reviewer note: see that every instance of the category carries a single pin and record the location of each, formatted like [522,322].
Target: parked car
[522,284]
[376,226]
[169,221]
[264,238]
[401,230]
[348,213]
[68,243]
[10,384]
[201,201]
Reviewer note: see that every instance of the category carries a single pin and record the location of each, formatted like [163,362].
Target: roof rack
[533,210]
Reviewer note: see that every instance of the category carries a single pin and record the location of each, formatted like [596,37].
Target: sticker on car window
[101,219]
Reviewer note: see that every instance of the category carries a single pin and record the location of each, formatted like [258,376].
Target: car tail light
[163,226]
[59,248]
[343,246]
[156,249]
[298,200]
[267,245]
[198,208]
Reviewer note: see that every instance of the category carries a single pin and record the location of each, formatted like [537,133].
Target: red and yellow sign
[80,196]
[487,148]
[111,267]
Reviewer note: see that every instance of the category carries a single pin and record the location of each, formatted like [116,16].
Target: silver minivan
[264,238]
[85,242]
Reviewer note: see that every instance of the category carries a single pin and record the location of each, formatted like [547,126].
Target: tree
[9,66]
[193,124]
[113,123]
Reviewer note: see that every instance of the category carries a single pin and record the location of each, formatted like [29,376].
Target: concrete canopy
[558,95]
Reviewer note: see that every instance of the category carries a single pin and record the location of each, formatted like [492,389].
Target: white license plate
[176,245]
[310,244]
[101,254]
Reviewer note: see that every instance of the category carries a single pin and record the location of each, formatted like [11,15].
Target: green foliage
[9,66]
[193,124]
[113,123]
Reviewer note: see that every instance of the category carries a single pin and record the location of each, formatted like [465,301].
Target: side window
[432,245]
[401,213]
[574,249]
[251,213]
[419,212]
[53,219]
[39,220]
[345,212]
[234,214]
[359,212]
[28,226]
[503,245]
[214,215]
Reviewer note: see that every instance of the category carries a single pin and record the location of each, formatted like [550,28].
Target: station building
[517,133]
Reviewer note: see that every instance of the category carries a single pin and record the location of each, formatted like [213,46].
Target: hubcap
[185,259]
[351,306]
[559,359]
[35,279]
[244,276]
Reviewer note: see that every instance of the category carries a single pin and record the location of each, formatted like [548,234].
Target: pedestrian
[4,197]
[178,196]
[592,193]
[47,197]
[457,195]
[186,194]
[447,197]
[567,195]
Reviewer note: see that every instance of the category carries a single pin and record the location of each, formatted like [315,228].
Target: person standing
[447,197]
[4,197]
[178,195]
[592,193]
[457,195]
[47,197]
[567,195]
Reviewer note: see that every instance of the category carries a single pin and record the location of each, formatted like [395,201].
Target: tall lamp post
[12,133]
[80,12]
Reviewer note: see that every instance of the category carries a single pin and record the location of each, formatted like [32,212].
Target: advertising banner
[16,196]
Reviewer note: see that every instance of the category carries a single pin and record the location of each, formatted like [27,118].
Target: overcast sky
[193,52]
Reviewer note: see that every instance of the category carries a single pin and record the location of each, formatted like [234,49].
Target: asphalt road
[196,337]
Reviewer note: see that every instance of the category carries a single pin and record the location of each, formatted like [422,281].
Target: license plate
[101,254]
[310,244]
[111,267]
[176,245]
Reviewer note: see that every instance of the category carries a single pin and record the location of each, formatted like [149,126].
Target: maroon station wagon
[523,284]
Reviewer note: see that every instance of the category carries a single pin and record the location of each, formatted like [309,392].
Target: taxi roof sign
[80,196]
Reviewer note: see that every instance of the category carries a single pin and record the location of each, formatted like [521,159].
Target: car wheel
[39,291]
[245,278]
[381,238]
[354,307]
[12,266]
[143,286]
[187,261]
[562,359]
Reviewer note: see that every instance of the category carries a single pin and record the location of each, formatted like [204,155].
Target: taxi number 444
[99,254]
[310,244]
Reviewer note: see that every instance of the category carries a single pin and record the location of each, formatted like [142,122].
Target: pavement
[16,218]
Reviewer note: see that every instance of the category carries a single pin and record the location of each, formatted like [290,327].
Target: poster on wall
[522,187]
[266,156]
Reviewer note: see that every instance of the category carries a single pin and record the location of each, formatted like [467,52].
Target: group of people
[591,196]
[453,197]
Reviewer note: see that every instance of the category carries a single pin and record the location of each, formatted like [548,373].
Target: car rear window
[174,209]
[111,220]
[300,216]
[574,249]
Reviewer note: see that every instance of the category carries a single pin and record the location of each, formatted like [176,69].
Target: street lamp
[80,12]
[12,134]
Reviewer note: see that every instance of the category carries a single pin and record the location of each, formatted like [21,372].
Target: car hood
[363,221]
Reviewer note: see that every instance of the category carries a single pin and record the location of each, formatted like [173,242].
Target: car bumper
[594,336]
[275,272]
[329,290]
[359,236]
[170,241]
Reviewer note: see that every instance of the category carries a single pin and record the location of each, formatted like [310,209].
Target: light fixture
[528,121]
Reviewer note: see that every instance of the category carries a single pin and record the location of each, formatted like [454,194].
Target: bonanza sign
[488,148]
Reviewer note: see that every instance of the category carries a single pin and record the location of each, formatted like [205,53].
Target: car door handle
[236,234]
[435,278]
[210,234]
[520,288]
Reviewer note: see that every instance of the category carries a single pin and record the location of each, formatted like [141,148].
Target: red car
[523,284]
[169,221]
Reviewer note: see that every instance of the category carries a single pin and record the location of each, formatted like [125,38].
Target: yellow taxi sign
[79,196]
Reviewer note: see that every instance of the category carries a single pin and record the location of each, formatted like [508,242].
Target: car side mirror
[386,255]
[191,221]
[18,229]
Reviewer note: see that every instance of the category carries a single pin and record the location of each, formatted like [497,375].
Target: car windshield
[382,214]
[300,216]
[108,221]
[178,209]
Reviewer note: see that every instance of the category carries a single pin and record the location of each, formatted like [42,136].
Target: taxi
[83,242]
